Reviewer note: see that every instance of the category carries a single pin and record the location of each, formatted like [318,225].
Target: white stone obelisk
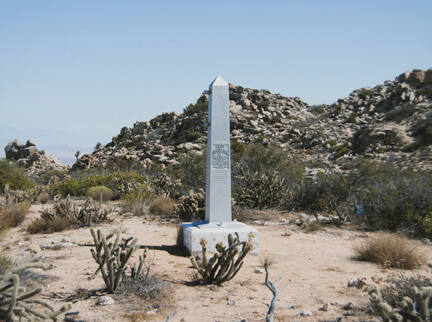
[218,176]
[218,223]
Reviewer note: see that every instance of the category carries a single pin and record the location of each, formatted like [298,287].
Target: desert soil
[314,267]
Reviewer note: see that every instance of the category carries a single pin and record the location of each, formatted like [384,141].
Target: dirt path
[315,267]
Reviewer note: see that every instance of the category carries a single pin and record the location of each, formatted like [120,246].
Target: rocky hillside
[36,162]
[390,122]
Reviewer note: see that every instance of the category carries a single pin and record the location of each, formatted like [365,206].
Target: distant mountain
[390,122]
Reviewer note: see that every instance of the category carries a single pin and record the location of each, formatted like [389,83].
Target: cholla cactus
[112,258]
[191,206]
[409,309]
[224,265]
[15,302]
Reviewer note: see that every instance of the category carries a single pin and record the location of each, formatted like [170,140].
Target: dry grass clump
[55,224]
[14,215]
[391,251]
[5,263]
[162,206]
[44,197]
[313,226]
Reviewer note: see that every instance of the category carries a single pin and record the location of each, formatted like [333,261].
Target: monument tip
[219,81]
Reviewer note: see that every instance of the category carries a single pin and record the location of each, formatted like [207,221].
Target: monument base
[214,233]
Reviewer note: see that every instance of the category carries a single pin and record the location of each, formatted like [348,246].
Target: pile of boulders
[36,162]
[377,123]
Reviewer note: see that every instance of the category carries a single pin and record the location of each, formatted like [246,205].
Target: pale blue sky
[89,68]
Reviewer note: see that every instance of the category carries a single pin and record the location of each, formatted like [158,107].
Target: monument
[218,222]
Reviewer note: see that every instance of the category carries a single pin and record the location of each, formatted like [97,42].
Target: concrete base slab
[214,233]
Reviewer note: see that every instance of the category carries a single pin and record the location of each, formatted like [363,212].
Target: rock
[105,300]
[34,248]
[348,306]
[429,263]
[416,76]
[34,161]
[305,313]
[356,282]
[56,245]
[324,307]
[258,270]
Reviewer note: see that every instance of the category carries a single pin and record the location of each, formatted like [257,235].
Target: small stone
[258,270]
[349,306]
[429,264]
[65,240]
[305,313]
[324,307]
[230,302]
[105,300]
[33,248]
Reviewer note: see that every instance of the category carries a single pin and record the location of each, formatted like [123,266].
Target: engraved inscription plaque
[220,156]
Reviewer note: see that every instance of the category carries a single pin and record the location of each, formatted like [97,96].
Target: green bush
[119,182]
[423,131]
[200,106]
[191,207]
[137,201]
[14,176]
[326,192]
[400,200]
[426,91]
[100,193]
[400,114]
[190,171]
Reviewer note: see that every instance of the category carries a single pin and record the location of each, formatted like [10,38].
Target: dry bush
[390,251]
[14,215]
[162,206]
[44,197]
[313,226]
[5,263]
[179,239]
[55,224]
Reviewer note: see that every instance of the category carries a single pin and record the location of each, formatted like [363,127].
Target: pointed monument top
[219,81]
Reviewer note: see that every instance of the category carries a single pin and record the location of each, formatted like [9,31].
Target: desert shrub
[390,251]
[191,207]
[51,175]
[192,136]
[137,201]
[14,215]
[262,175]
[119,182]
[313,226]
[326,192]
[200,106]
[100,193]
[64,215]
[44,197]
[190,171]
[423,131]
[365,92]
[339,150]
[426,91]
[162,206]
[258,191]
[398,201]
[5,263]
[400,114]
[14,176]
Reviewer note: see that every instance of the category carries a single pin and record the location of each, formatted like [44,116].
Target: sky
[78,71]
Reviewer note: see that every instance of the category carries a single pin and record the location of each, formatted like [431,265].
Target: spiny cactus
[113,256]
[257,190]
[86,215]
[416,308]
[15,302]
[191,206]
[224,265]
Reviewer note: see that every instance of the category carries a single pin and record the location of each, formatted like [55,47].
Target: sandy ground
[315,268]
